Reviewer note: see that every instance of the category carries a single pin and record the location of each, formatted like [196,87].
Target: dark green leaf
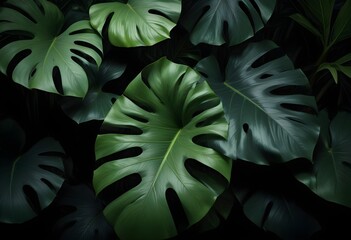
[97,102]
[85,220]
[271,116]
[219,21]
[29,181]
[342,26]
[277,213]
[331,177]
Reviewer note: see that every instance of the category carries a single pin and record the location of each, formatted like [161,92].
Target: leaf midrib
[164,160]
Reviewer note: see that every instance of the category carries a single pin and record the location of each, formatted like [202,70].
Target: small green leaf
[342,26]
[304,22]
[331,68]
[321,11]
[137,22]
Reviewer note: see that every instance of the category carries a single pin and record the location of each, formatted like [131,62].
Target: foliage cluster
[177,119]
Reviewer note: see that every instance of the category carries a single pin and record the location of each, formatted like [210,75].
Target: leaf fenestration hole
[49,184]
[120,129]
[143,106]
[175,206]
[225,31]
[254,4]
[159,13]
[40,6]
[53,170]
[298,108]
[265,75]
[246,10]
[209,177]
[292,90]
[116,189]
[266,213]
[267,57]
[20,10]
[16,60]
[138,118]
[89,45]
[346,164]
[56,76]
[246,127]
[83,55]
[126,153]
[32,198]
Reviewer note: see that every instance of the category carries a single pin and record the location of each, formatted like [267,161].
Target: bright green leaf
[226,21]
[137,22]
[44,50]
[164,112]
[271,117]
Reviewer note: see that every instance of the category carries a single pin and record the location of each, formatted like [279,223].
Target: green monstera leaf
[152,134]
[136,22]
[28,181]
[331,176]
[97,102]
[225,21]
[272,118]
[46,58]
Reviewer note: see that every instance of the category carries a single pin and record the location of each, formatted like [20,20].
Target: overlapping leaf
[225,21]
[86,220]
[97,102]
[28,181]
[271,115]
[331,176]
[46,58]
[136,22]
[152,133]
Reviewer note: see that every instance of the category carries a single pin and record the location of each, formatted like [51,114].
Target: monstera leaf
[266,104]
[136,22]
[331,176]
[277,213]
[225,21]
[28,181]
[46,58]
[97,102]
[85,220]
[151,134]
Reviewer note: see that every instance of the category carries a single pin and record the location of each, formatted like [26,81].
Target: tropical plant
[178,119]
